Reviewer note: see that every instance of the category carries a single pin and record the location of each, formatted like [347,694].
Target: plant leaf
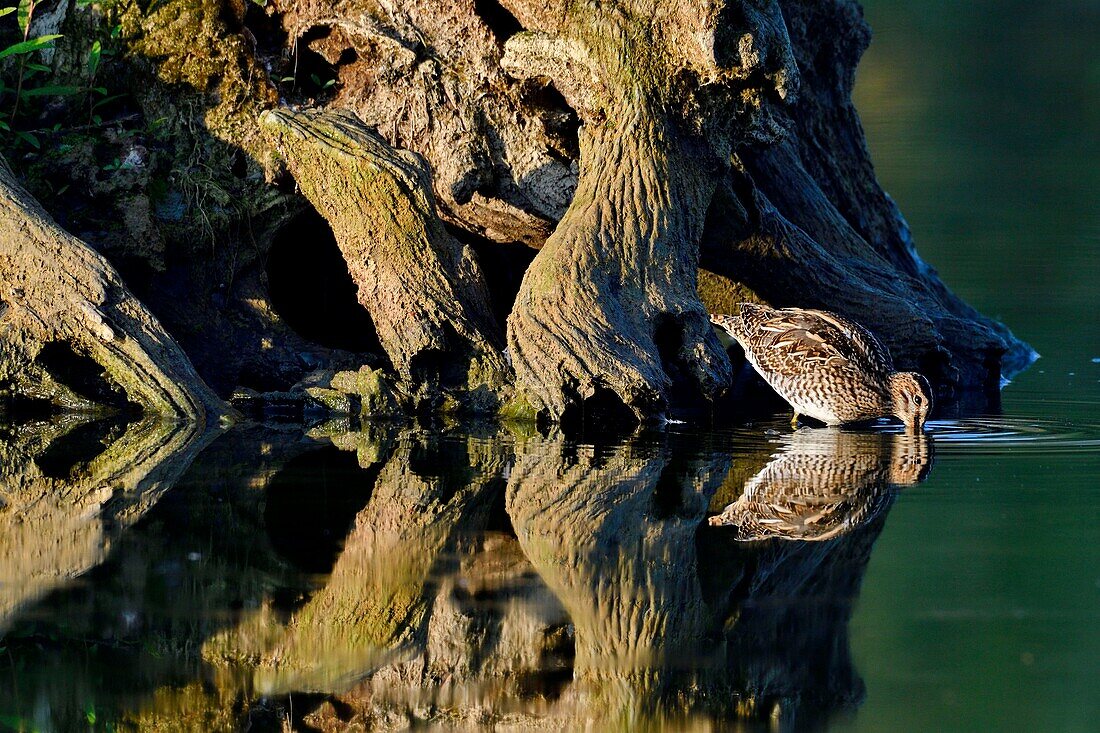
[5,11]
[26,7]
[94,55]
[29,46]
[106,100]
[29,138]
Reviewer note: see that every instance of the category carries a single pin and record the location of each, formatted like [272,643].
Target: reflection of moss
[194,707]
[518,408]
[374,607]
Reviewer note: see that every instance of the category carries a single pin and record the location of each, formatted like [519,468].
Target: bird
[827,367]
[822,484]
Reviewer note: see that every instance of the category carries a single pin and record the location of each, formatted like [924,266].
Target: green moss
[720,294]
[372,386]
[518,409]
[331,399]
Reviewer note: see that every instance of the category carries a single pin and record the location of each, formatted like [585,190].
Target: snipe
[826,366]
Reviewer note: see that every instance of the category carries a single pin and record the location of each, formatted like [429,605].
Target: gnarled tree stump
[605,172]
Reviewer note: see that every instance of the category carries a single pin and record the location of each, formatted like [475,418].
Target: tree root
[59,298]
[422,288]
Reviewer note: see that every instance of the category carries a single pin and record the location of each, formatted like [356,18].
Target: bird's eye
[917,399]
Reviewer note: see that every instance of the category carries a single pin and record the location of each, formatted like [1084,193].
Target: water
[477,576]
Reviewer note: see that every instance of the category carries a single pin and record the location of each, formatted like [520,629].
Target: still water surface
[483,577]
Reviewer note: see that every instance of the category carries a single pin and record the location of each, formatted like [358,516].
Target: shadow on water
[402,575]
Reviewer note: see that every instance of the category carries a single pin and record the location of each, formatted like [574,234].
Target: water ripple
[1004,434]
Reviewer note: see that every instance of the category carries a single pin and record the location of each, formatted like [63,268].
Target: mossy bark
[610,303]
[619,275]
[423,290]
[56,291]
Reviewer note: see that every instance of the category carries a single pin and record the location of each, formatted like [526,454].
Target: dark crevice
[501,22]
[304,74]
[669,339]
[684,391]
[347,57]
[312,290]
[266,29]
[603,415]
[562,122]
[447,367]
[503,266]
[311,505]
[732,24]
[731,218]
[82,374]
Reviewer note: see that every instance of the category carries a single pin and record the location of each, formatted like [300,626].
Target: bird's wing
[866,348]
[793,339]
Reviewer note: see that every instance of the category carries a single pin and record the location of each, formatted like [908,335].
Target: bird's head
[911,397]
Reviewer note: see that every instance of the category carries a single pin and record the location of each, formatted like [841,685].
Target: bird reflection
[823,483]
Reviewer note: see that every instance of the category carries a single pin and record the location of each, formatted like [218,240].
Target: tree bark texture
[604,173]
[56,293]
[423,290]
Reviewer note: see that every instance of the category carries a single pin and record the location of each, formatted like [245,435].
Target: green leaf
[107,100]
[38,67]
[29,138]
[4,125]
[29,46]
[93,58]
[6,11]
[26,8]
[52,91]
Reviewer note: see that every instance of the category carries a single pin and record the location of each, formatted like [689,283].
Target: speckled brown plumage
[824,483]
[826,366]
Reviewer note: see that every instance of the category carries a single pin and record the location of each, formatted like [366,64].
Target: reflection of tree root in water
[613,603]
[71,485]
[374,609]
[669,623]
